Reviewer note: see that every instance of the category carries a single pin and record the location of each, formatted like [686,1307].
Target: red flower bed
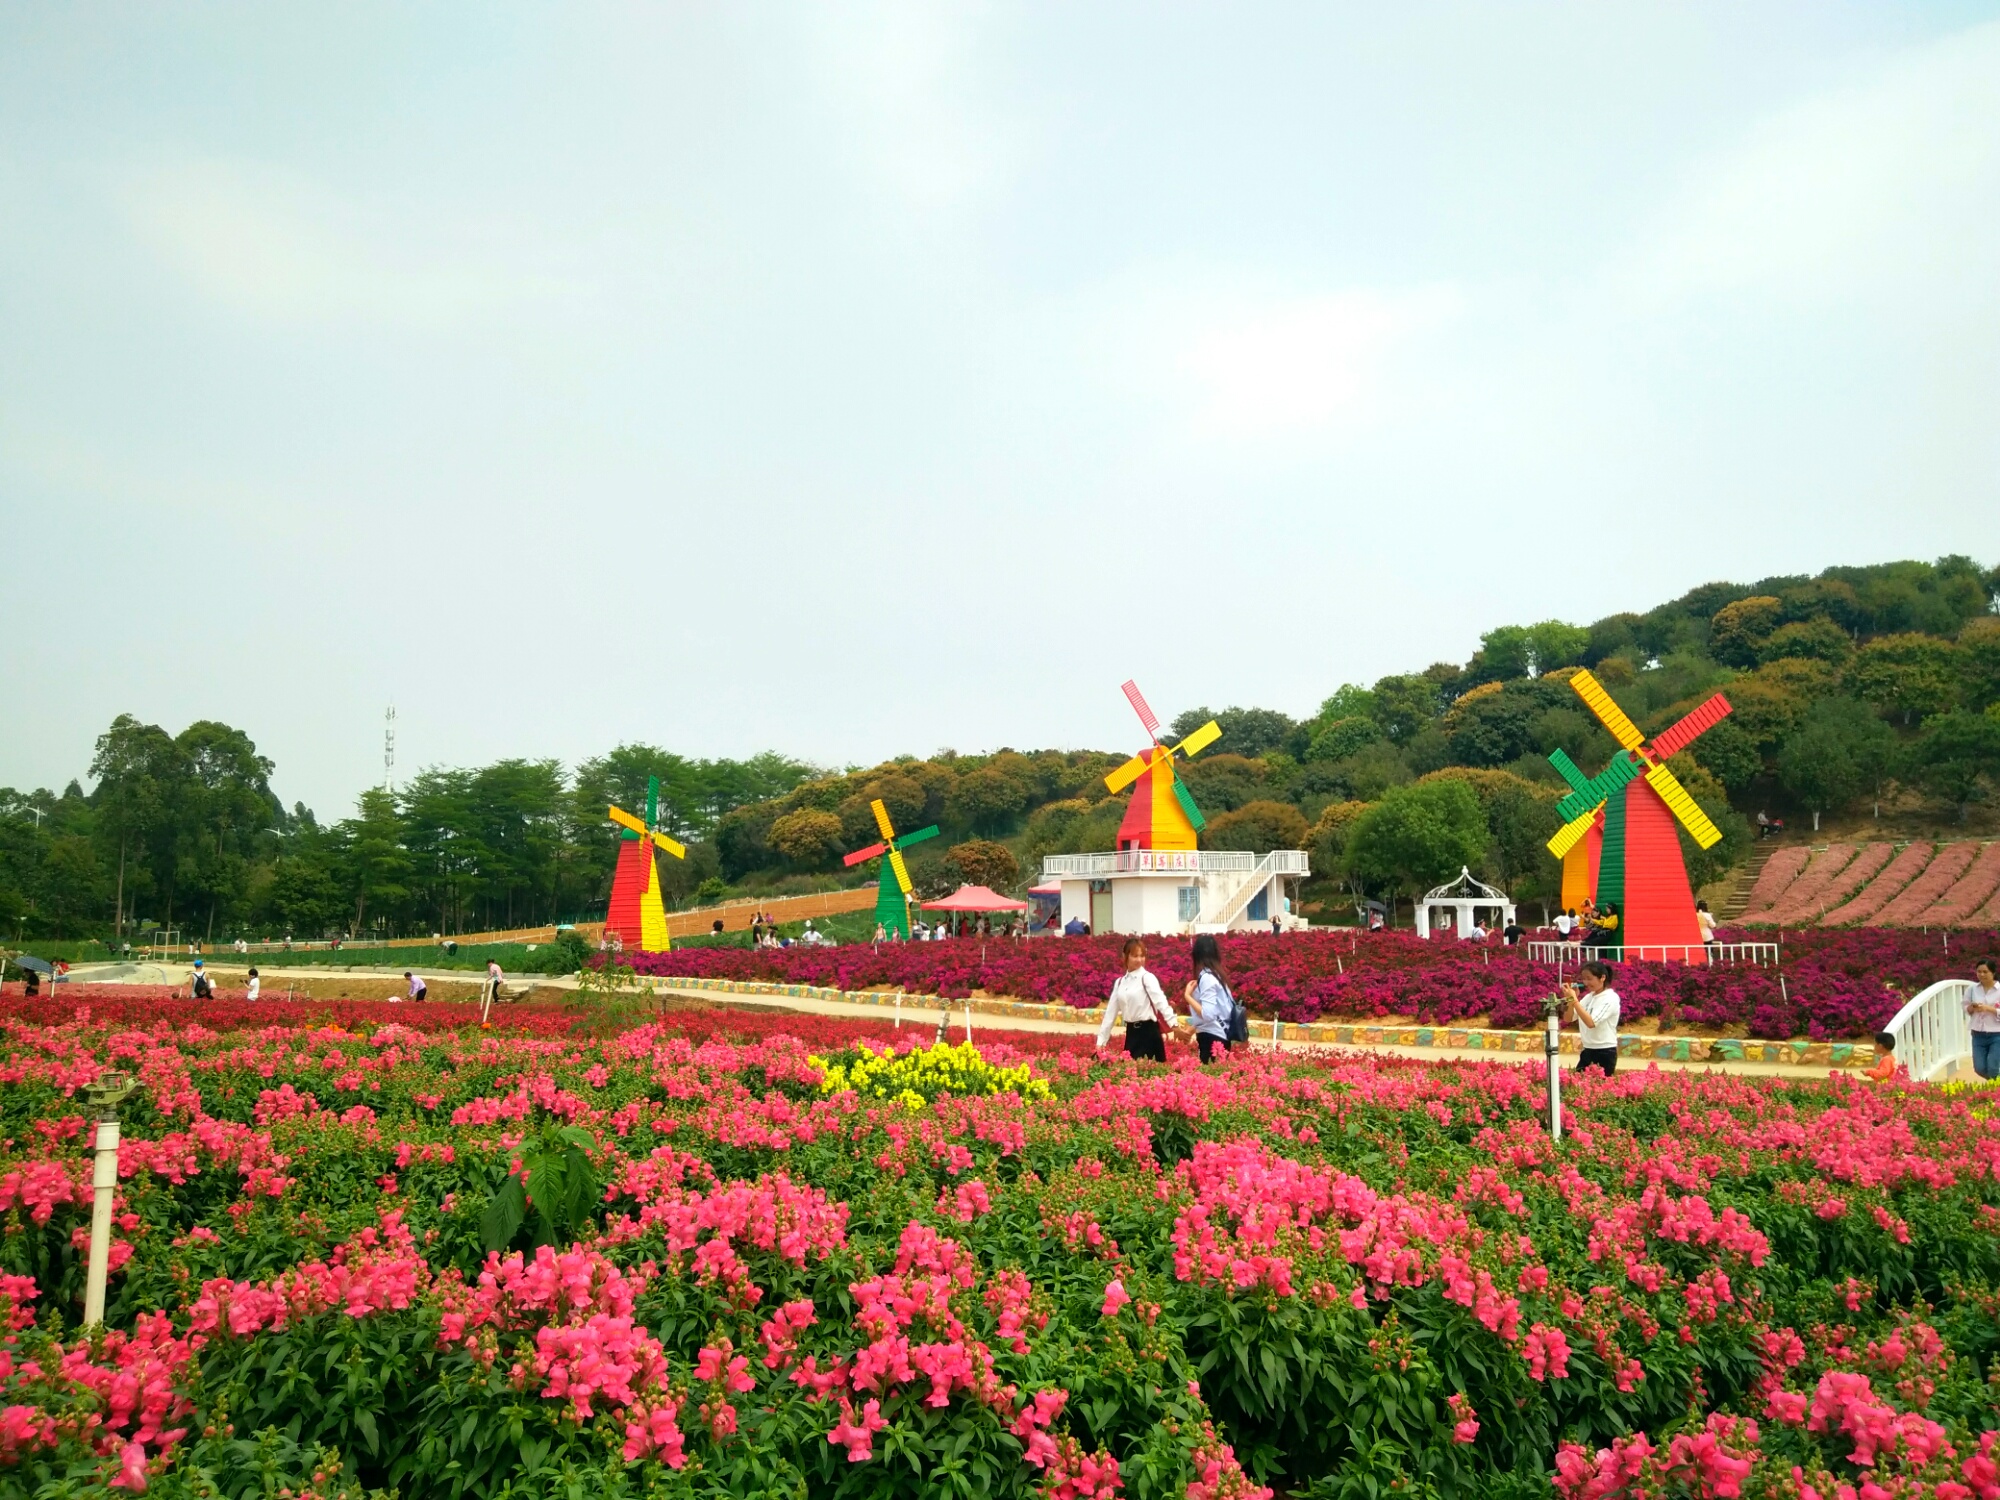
[1833,985]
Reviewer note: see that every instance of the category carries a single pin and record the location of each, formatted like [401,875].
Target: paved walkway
[914,1013]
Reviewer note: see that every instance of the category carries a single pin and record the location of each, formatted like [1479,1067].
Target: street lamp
[105,1095]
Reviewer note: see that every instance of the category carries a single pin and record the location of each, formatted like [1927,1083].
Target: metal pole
[899,1010]
[968,1021]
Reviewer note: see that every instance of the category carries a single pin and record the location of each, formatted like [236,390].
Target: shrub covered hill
[1857,688]
[1863,694]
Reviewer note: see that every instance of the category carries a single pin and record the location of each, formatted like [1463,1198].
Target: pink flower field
[673,1261]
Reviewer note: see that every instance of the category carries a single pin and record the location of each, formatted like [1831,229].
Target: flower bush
[916,1077]
[1326,1275]
[1832,984]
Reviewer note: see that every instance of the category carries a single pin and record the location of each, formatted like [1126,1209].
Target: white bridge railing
[1727,954]
[1931,1031]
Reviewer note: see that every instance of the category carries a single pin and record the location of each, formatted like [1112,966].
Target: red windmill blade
[1698,720]
[1139,706]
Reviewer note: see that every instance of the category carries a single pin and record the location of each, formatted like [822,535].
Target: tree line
[1851,688]
[182,832]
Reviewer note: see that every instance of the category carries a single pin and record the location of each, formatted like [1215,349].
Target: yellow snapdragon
[915,1078]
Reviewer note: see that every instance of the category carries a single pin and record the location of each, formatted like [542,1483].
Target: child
[1886,1069]
[256,984]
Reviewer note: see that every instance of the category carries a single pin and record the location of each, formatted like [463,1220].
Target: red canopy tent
[975,898]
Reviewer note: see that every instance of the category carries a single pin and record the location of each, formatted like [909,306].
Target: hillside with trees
[1869,692]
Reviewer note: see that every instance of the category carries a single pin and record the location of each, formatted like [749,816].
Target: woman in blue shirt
[1208,999]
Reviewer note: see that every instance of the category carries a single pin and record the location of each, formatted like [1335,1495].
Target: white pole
[1552,1045]
[104,1181]
[968,1020]
[1274,1033]
[899,1010]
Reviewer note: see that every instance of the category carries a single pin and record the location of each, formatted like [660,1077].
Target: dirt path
[381,984]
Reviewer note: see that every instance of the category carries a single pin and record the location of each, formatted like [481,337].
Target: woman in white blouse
[1141,1004]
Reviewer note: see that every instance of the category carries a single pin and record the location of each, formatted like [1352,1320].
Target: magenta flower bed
[1835,984]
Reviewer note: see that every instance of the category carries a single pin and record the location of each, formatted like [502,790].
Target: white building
[1178,891]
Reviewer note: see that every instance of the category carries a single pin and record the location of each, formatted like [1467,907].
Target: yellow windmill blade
[1591,691]
[678,851]
[1201,739]
[1568,835]
[1126,774]
[1684,807]
[624,819]
[902,870]
[882,823]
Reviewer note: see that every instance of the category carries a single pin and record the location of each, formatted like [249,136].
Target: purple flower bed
[1837,984]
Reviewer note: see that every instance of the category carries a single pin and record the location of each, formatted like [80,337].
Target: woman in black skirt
[1141,1004]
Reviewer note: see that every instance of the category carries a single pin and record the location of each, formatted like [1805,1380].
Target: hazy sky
[855,381]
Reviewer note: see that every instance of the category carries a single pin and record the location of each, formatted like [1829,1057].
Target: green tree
[1417,836]
[983,862]
[1729,754]
[1979,664]
[808,837]
[226,808]
[1738,630]
[1405,704]
[373,858]
[1245,731]
[1957,758]
[1258,827]
[138,769]
[1839,751]
[1341,738]
[1815,640]
[1910,676]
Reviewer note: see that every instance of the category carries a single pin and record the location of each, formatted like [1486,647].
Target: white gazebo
[1463,900]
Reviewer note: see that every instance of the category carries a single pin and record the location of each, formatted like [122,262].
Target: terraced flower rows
[1879,884]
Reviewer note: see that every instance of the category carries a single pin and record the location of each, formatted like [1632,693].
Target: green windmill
[892,903]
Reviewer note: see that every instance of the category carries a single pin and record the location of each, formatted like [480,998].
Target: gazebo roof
[1466,888]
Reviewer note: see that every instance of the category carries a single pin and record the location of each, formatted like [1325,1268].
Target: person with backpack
[1212,1009]
[201,989]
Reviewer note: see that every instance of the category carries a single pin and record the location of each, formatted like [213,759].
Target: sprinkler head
[108,1092]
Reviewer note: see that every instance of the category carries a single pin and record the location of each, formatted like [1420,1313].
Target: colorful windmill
[1640,869]
[1162,814]
[638,917]
[892,900]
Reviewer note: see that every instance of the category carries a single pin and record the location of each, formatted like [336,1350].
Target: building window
[1190,902]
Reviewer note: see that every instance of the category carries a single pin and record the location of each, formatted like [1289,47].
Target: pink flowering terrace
[665,1264]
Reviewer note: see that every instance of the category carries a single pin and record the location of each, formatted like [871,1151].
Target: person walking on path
[1208,999]
[1707,919]
[1595,1012]
[1982,1015]
[1141,1004]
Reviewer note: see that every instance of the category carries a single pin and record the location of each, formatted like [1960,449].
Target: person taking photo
[1595,1011]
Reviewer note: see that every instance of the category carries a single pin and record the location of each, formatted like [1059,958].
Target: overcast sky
[854,381]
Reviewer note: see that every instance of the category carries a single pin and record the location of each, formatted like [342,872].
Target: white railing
[1724,954]
[1931,1031]
[1172,861]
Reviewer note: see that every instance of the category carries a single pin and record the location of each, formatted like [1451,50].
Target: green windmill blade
[1600,788]
[1567,769]
[904,840]
[1186,800]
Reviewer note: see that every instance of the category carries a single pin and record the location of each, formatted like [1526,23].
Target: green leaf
[365,1420]
[505,1212]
